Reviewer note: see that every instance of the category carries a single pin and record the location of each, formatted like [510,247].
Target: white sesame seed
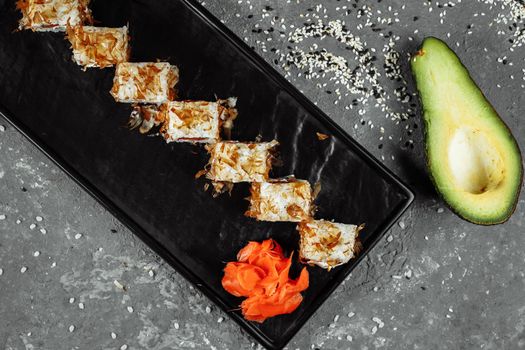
[113,335]
[78,236]
[23,269]
[374,330]
[220,319]
[176,325]
[336,318]
[119,285]
[208,309]
[440,210]
[2,128]
[32,226]
[389,238]
[18,221]
[71,328]
[1,272]
[2,216]
[37,253]
[377,320]
[402,225]
[123,347]
[71,300]
[53,264]
[39,218]
[376,289]
[151,273]
[81,306]
[43,231]
[349,338]
[351,314]
[130,309]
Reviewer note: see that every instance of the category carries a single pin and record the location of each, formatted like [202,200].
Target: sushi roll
[145,82]
[53,15]
[286,199]
[196,121]
[98,46]
[327,244]
[232,161]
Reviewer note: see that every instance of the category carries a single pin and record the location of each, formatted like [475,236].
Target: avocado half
[473,159]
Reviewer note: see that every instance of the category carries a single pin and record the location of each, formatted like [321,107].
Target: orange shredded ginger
[261,275]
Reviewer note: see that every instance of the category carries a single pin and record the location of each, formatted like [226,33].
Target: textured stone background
[435,282]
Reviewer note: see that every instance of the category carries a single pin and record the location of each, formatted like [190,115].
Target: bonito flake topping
[145,117]
[196,121]
[145,82]
[53,15]
[327,244]
[98,46]
[281,200]
[232,161]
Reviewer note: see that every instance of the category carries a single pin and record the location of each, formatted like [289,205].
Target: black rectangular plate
[150,186]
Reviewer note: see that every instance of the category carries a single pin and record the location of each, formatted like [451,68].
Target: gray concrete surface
[434,282]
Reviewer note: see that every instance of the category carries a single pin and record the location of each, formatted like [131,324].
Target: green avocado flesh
[473,159]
